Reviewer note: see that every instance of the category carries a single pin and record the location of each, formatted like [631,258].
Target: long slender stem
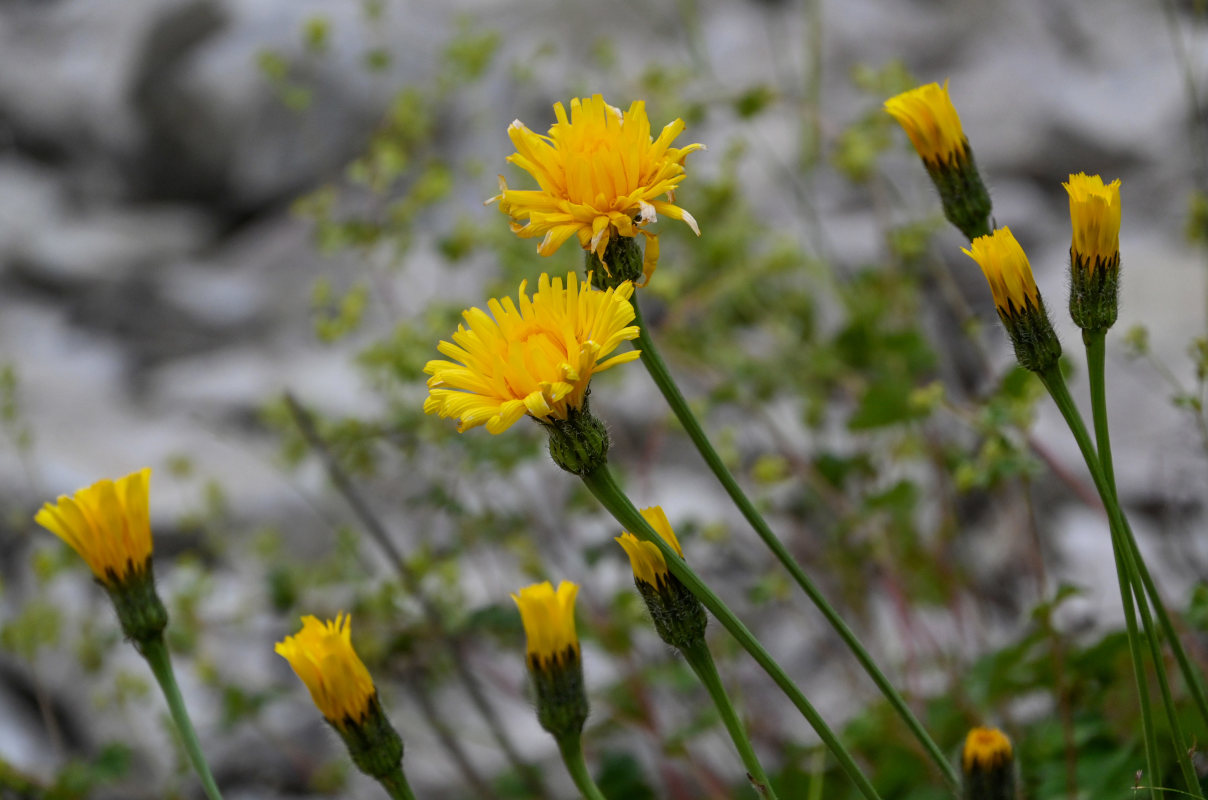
[701,661]
[1057,388]
[603,485]
[397,787]
[662,378]
[571,748]
[156,654]
[1125,545]
[1096,356]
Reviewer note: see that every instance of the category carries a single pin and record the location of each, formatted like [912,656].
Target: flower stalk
[109,525]
[1131,584]
[680,620]
[396,786]
[603,486]
[155,651]
[662,377]
[701,661]
[571,748]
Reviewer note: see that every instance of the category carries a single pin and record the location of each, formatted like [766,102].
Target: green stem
[156,653]
[1096,358]
[572,755]
[1126,547]
[396,786]
[603,485]
[1125,563]
[701,661]
[662,378]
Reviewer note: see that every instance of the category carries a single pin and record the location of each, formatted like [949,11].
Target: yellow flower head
[534,357]
[1007,269]
[927,115]
[322,656]
[601,175]
[986,749]
[1095,218]
[108,524]
[648,563]
[549,623]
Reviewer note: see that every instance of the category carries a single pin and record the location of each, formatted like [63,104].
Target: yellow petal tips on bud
[601,175]
[548,617]
[985,748]
[1094,251]
[678,616]
[322,656]
[647,562]
[1007,270]
[930,120]
[108,524]
[988,765]
[1095,219]
[553,660]
[1017,299]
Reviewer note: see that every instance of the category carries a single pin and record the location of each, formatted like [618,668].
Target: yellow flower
[549,623]
[321,655]
[536,358]
[600,175]
[645,557]
[108,524]
[986,749]
[927,115]
[1007,269]
[1095,218]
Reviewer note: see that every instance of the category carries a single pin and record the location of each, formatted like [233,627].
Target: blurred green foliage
[853,399]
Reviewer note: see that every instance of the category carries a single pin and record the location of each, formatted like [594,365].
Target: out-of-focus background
[205,203]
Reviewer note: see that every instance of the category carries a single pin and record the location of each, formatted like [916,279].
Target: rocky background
[155,285]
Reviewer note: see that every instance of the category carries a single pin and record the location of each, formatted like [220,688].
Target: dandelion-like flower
[601,175]
[930,120]
[322,656]
[535,356]
[647,560]
[1017,299]
[549,623]
[1095,219]
[108,524]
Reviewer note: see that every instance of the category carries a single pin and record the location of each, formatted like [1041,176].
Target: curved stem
[1125,562]
[156,654]
[701,661]
[602,484]
[662,378]
[571,748]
